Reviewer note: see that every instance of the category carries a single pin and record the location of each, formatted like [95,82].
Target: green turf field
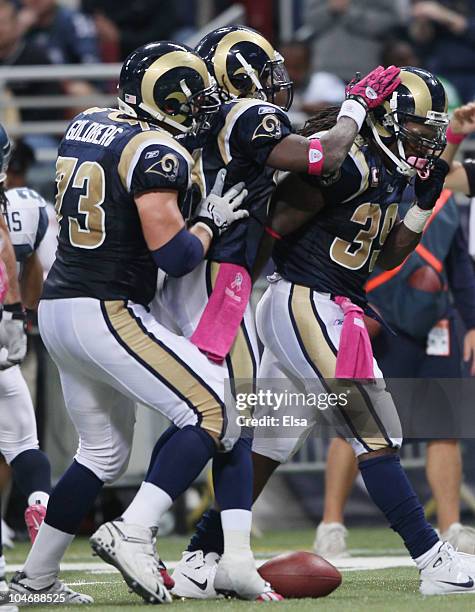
[385,590]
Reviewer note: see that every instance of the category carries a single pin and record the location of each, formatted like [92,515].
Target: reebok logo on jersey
[265,110]
[152,154]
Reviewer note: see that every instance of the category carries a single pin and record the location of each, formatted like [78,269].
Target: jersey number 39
[86,185]
[354,255]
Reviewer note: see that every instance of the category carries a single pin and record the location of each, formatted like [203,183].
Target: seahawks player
[24,215]
[27,220]
[121,178]
[251,136]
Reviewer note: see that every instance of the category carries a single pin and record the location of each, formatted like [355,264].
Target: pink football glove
[373,89]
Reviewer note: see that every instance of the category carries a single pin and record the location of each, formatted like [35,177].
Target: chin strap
[400,162]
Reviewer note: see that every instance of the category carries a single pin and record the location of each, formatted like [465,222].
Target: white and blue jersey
[27,221]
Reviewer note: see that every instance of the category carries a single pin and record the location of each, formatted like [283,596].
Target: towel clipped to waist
[355,354]
[220,321]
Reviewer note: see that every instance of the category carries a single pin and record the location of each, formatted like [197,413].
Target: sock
[208,535]
[38,497]
[390,489]
[42,563]
[148,506]
[166,435]
[32,471]
[181,459]
[237,531]
[72,498]
[233,477]
[424,559]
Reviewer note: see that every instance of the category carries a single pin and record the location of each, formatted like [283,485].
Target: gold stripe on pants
[165,365]
[319,351]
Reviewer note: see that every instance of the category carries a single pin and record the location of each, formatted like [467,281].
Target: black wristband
[207,221]
[16,310]
[17,307]
[358,99]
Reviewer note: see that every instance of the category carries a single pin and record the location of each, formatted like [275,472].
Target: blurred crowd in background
[324,41]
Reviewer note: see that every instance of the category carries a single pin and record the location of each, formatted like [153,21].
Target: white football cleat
[461,537]
[131,549]
[330,540]
[238,576]
[448,572]
[60,593]
[194,575]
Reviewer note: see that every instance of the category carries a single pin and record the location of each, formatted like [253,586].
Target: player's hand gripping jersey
[105,160]
[242,138]
[339,247]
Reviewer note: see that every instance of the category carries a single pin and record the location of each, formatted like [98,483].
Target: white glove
[218,212]
[13,338]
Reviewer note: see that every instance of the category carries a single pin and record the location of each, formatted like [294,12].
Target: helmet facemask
[416,153]
[200,107]
[278,83]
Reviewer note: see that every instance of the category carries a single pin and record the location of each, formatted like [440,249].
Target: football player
[121,178]
[251,136]
[328,235]
[25,221]
[352,224]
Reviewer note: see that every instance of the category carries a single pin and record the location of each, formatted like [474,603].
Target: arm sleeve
[469,167]
[461,277]
[258,130]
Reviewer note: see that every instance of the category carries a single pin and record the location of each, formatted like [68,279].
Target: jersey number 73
[85,184]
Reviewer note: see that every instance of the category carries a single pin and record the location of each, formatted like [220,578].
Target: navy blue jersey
[241,139]
[336,251]
[105,160]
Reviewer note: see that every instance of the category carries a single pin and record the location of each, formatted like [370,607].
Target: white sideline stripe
[350,564]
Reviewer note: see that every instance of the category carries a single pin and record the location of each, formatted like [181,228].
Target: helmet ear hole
[172,106]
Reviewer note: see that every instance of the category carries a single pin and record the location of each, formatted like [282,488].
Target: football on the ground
[301,574]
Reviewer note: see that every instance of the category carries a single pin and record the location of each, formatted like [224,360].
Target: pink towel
[355,355]
[220,321]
